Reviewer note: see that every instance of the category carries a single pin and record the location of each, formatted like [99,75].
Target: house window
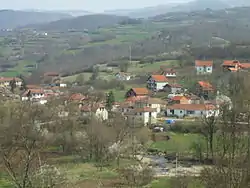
[140,114]
[190,112]
[180,111]
[150,105]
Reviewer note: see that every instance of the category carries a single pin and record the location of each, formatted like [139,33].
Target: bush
[186,127]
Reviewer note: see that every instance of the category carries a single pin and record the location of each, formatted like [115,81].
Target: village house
[136,92]
[145,116]
[51,74]
[180,100]
[173,88]
[33,94]
[168,72]
[192,110]
[234,65]
[98,110]
[154,103]
[122,76]
[204,89]
[5,81]
[157,82]
[203,67]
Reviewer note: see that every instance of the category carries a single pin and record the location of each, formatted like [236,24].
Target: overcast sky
[91,5]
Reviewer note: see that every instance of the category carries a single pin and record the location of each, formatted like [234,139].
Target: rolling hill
[89,22]
[11,19]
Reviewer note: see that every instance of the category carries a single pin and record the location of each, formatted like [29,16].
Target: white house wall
[160,85]
[204,70]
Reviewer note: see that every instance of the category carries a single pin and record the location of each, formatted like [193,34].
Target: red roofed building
[5,81]
[192,110]
[204,88]
[168,72]
[157,82]
[181,100]
[203,67]
[135,92]
[52,74]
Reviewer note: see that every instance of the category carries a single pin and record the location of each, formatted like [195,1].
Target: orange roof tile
[230,62]
[191,107]
[178,98]
[141,91]
[51,74]
[33,86]
[159,78]
[76,97]
[137,98]
[38,90]
[245,65]
[205,85]
[200,63]
[8,79]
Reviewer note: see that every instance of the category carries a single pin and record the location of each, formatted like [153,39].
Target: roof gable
[159,78]
[201,63]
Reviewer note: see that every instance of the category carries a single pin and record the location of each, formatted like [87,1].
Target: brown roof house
[135,92]
[204,89]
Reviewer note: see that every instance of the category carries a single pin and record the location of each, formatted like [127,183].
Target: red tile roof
[159,78]
[206,85]
[33,86]
[230,62]
[178,98]
[245,65]
[137,98]
[51,74]
[36,91]
[8,79]
[201,63]
[174,85]
[192,107]
[88,108]
[76,97]
[141,91]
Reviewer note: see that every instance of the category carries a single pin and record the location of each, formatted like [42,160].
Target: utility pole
[130,53]
[176,164]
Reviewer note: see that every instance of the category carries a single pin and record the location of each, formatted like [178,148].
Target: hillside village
[140,104]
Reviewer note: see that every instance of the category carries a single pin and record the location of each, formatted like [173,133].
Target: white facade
[63,85]
[155,106]
[143,117]
[170,74]
[156,86]
[204,69]
[102,113]
[33,96]
[192,113]
[122,77]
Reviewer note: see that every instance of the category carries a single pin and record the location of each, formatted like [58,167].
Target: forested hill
[12,19]
[89,22]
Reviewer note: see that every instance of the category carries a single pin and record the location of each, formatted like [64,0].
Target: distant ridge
[15,18]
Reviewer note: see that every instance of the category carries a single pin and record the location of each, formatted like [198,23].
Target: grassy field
[177,143]
[166,183]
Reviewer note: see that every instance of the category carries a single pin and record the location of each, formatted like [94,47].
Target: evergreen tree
[12,85]
[110,100]
[80,79]
[95,74]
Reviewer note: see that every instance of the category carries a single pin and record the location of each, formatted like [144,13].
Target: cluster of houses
[141,104]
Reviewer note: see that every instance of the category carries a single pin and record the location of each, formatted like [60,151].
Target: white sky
[90,5]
